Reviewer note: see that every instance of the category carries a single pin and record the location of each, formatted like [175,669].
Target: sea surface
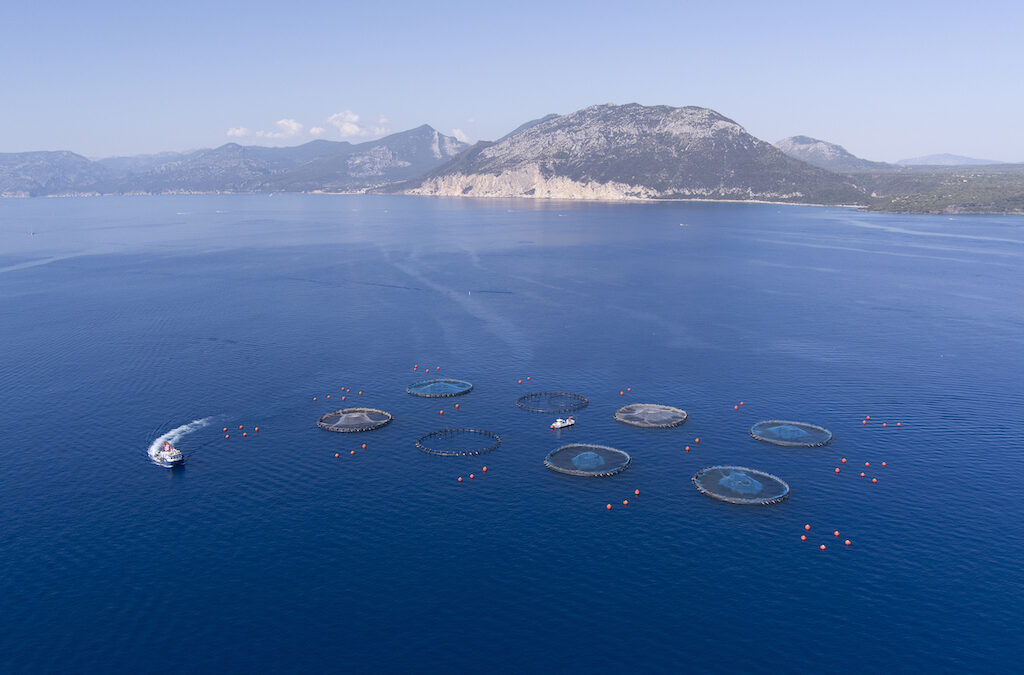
[125,320]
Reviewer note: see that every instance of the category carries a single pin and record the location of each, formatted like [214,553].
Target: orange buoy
[822,547]
[836,533]
[527,377]
[874,480]
[364,446]
[843,460]
[636,492]
[847,542]
[460,479]
[884,464]
[863,421]
[256,429]
[884,424]
[837,469]
[741,402]
[336,455]
[625,502]
[342,398]
[520,381]
[687,448]
[360,393]
[225,428]
[807,527]
[227,436]
[472,475]
[867,417]
[696,440]
[803,537]
[608,506]
[622,393]
[314,398]
[629,389]
[437,368]
[867,463]
[245,433]
[428,370]
[440,412]
[328,396]
[861,474]
[735,407]
[485,469]
[899,424]
[351,452]
[456,405]
[239,426]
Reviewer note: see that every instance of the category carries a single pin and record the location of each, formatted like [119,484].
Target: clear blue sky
[887,80]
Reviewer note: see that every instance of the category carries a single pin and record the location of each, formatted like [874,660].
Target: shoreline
[644,200]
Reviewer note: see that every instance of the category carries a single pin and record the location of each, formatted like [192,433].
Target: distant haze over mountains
[827,155]
[946,160]
[320,165]
[600,152]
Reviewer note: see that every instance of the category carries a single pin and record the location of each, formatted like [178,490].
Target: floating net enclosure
[794,434]
[354,419]
[458,442]
[583,459]
[439,388]
[552,402]
[740,485]
[650,415]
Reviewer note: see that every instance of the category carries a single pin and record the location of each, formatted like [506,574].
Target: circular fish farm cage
[458,442]
[740,485]
[791,434]
[439,388]
[584,459]
[552,402]
[650,415]
[351,420]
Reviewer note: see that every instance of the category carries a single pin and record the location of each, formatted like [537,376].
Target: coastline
[621,200]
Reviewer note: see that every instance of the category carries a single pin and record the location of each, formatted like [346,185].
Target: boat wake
[173,435]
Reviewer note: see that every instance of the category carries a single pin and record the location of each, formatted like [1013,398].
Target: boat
[560,423]
[169,456]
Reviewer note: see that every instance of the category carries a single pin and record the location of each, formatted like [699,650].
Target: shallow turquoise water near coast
[124,318]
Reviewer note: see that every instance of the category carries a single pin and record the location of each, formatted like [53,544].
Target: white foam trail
[174,434]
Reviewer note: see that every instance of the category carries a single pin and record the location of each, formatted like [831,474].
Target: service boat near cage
[560,423]
[169,456]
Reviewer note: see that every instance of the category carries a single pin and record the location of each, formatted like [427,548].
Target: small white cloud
[381,131]
[237,132]
[382,120]
[286,129]
[460,135]
[316,131]
[346,122]
[471,120]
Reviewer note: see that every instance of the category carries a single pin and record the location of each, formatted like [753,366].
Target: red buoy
[803,537]
[847,542]
[874,480]
[636,492]
[807,527]
[471,476]
[884,464]
[836,533]
[364,446]
[837,469]
[485,469]
[336,455]
[822,547]
[735,407]
[625,502]
[843,460]
[460,479]
[608,506]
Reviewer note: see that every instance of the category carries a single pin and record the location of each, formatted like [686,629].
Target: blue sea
[124,320]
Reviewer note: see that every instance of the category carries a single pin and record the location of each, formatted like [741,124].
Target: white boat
[168,456]
[560,423]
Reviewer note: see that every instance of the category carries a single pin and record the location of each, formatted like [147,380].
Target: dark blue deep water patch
[122,319]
